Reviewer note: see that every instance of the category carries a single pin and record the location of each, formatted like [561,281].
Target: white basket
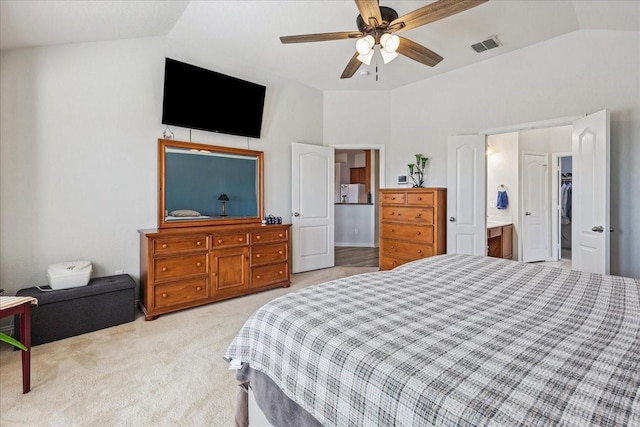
[69,274]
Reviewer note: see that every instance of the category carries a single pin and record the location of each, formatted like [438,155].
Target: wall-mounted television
[198,98]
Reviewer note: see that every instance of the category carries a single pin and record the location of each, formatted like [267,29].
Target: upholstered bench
[63,313]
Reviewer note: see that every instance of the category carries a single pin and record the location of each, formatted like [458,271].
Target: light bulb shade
[390,42]
[366,59]
[365,44]
[223,197]
[388,56]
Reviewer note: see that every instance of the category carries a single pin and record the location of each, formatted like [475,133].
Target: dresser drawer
[264,254]
[179,244]
[408,214]
[389,262]
[168,268]
[269,274]
[408,250]
[399,198]
[182,292]
[422,234]
[494,232]
[423,199]
[222,240]
[269,236]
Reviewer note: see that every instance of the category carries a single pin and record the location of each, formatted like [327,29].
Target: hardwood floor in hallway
[356,256]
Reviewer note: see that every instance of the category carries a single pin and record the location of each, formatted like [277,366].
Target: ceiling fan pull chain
[376,72]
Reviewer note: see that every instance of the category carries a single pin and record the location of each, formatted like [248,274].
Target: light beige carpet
[166,372]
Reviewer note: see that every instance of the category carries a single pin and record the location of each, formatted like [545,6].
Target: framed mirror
[201,185]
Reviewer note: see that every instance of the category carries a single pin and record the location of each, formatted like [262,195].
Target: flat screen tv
[198,98]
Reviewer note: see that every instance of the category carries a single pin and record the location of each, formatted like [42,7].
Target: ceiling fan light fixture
[366,58]
[388,56]
[390,42]
[365,44]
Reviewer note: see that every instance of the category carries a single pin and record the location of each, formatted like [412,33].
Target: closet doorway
[562,198]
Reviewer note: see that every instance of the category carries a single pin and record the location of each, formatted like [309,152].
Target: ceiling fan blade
[351,67]
[432,12]
[417,52]
[369,9]
[321,37]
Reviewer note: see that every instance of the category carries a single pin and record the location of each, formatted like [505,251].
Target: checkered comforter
[455,340]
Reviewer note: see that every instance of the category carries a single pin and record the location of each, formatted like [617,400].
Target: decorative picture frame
[402,179]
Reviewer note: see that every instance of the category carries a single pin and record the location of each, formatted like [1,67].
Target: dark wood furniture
[500,241]
[21,307]
[412,224]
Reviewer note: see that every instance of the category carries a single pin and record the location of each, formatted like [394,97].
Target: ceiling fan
[379,25]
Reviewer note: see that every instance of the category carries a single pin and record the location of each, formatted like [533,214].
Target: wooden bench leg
[25,334]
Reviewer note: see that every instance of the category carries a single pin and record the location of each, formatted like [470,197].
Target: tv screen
[202,99]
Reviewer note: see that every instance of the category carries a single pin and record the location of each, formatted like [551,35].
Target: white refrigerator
[353,193]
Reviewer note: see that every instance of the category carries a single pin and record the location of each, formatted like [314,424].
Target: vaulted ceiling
[249,31]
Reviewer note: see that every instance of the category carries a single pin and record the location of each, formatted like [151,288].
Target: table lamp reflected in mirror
[223,198]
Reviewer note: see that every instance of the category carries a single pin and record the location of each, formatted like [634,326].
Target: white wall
[581,72]
[78,148]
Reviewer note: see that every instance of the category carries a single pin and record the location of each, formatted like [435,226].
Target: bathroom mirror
[201,185]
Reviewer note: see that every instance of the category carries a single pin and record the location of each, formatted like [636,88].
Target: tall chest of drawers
[187,267]
[412,224]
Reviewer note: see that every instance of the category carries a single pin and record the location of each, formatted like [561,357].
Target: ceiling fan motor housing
[388,15]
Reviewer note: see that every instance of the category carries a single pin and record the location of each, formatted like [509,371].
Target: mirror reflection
[206,183]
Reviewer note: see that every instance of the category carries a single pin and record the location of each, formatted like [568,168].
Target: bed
[448,340]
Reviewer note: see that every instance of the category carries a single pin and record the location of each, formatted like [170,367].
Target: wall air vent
[487,44]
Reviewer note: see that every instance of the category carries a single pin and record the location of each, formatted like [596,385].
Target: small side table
[21,306]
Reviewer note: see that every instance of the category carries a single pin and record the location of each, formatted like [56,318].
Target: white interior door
[535,205]
[466,195]
[590,221]
[312,210]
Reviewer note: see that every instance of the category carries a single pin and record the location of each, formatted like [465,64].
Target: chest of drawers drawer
[399,198]
[181,244]
[265,236]
[264,254]
[268,274]
[417,215]
[389,262]
[403,249]
[422,199]
[408,232]
[179,266]
[224,240]
[182,292]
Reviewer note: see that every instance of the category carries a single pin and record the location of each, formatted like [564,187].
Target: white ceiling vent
[487,44]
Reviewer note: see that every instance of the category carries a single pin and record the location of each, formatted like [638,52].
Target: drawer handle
[198,264]
[164,295]
[164,268]
[419,251]
[280,235]
[257,237]
[198,243]
[280,252]
[418,232]
[258,276]
[198,288]
[418,216]
[257,255]
[213,274]
[239,239]
[219,240]
[164,246]
[393,247]
[280,272]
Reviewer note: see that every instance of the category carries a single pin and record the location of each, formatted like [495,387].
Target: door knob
[296,214]
[452,219]
[598,228]
[527,213]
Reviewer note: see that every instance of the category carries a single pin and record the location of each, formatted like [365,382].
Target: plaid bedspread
[455,340]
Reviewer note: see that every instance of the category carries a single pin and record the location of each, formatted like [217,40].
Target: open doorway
[358,176]
[525,165]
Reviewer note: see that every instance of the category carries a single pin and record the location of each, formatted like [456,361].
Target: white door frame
[381,177]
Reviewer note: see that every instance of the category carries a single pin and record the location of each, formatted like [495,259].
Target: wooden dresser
[191,266]
[412,224]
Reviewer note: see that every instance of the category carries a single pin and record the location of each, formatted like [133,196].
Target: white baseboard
[353,244]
